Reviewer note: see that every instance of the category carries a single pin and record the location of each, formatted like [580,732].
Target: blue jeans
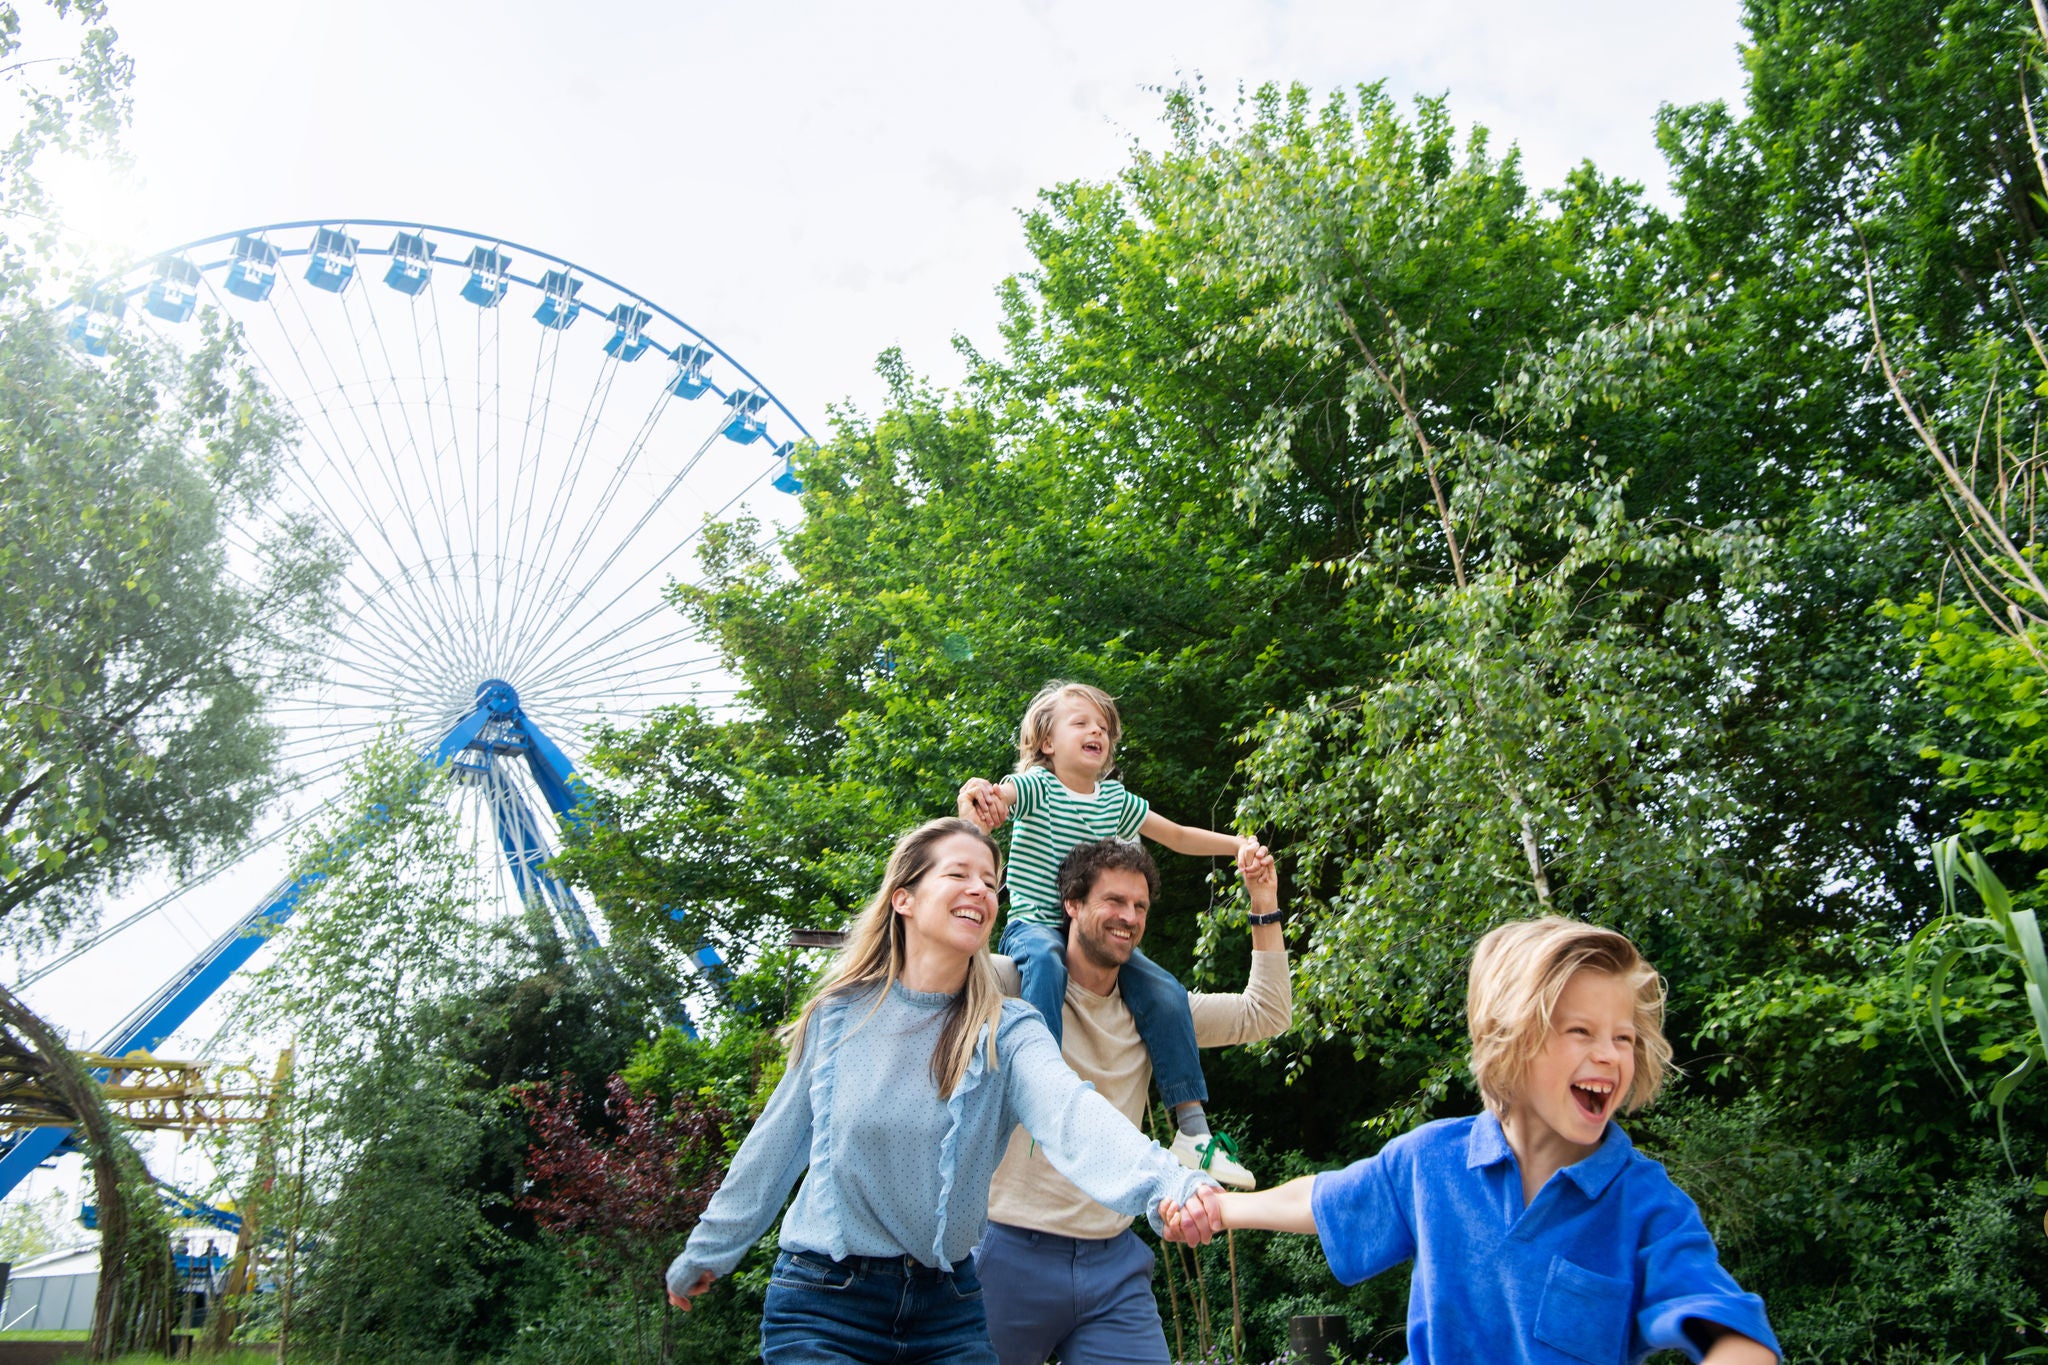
[872,1310]
[1157,1002]
[1087,1302]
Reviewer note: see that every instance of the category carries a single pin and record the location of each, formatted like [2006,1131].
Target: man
[1061,1275]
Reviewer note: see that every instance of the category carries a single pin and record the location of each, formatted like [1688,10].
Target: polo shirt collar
[1487,1145]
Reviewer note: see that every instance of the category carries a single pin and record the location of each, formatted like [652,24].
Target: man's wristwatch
[1273,918]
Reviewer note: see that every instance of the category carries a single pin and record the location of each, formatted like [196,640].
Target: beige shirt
[1101,1043]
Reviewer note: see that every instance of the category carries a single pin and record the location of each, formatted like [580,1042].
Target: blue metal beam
[166,1011]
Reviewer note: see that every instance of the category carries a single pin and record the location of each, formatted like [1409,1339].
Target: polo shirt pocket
[1584,1315]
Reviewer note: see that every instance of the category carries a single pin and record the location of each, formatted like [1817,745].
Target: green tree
[383,1132]
[139,648]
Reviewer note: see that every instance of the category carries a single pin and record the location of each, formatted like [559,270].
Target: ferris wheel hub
[498,697]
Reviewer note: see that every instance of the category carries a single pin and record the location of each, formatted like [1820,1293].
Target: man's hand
[1262,884]
[984,803]
[682,1301]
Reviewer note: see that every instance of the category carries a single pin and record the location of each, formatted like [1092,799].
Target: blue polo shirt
[1605,1265]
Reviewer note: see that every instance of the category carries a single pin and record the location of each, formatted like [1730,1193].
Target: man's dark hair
[1082,867]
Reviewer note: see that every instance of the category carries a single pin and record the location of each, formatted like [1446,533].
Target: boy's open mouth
[1592,1096]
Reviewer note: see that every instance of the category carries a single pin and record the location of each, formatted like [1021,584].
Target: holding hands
[985,803]
[1196,1221]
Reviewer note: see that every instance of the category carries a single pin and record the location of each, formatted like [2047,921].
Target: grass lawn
[263,1357]
[43,1336]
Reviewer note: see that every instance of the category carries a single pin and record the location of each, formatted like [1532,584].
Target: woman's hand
[682,1300]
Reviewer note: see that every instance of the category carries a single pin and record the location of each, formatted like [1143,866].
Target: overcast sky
[807,182]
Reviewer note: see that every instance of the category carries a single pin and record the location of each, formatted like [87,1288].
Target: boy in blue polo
[1537,1231]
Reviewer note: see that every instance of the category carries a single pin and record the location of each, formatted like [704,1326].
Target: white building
[53,1293]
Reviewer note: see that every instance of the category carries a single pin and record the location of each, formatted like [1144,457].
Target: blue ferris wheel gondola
[334,260]
[489,276]
[628,342]
[689,380]
[412,263]
[558,306]
[94,321]
[174,293]
[252,271]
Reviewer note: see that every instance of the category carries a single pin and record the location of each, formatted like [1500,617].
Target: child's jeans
[1158,1004]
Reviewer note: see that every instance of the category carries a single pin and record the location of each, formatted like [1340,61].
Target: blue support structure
[334,260]
[174,293]
[690,380]
[496,726]
[746,425]
[489,271]
[252,269]
[558,306]
[412,263]
[158,1017]
[628,341]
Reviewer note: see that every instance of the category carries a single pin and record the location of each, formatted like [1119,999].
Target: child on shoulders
[1062,797]
[1537,1231]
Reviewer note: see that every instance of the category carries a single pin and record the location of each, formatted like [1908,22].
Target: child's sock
[1191,1120]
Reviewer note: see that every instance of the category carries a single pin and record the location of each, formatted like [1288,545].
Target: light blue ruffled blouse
[893,1169]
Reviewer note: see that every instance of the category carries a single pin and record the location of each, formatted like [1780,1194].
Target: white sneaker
[1213,1155]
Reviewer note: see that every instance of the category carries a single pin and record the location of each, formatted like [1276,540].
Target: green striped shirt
[1051,820]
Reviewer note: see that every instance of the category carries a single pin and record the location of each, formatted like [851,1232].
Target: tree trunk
[243,1275]
[132,1306]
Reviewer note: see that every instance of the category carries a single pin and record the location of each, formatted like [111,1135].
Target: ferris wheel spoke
[378,648]
[442,456]
[491,398]
[620,471]
[608,666]
[308,481]
[525,613]
[476,512]
[426,458]
[532,442]
[441,611]
[647,515]
[639,579]
[303,480]
[185,888]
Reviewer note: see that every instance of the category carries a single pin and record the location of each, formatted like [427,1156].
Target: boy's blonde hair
[1036,727]
[1518,972]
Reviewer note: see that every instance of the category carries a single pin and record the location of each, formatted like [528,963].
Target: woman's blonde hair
[874,951]
[1036,728]
[1518,972]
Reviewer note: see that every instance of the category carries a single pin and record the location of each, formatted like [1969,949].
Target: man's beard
[1097,950]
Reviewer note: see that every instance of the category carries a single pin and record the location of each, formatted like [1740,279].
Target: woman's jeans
[873,1310]
[1158,1004]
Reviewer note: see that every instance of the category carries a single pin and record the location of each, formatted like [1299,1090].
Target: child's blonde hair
[1036,728]
[1518,972]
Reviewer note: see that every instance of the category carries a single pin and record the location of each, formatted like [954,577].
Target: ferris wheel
[517,456]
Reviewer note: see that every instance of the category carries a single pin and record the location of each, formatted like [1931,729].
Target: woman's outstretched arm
[759,1179]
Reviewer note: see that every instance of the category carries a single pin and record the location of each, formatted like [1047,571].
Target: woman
[907,1071]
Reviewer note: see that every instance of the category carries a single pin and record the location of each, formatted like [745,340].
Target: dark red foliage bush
[628,1186]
